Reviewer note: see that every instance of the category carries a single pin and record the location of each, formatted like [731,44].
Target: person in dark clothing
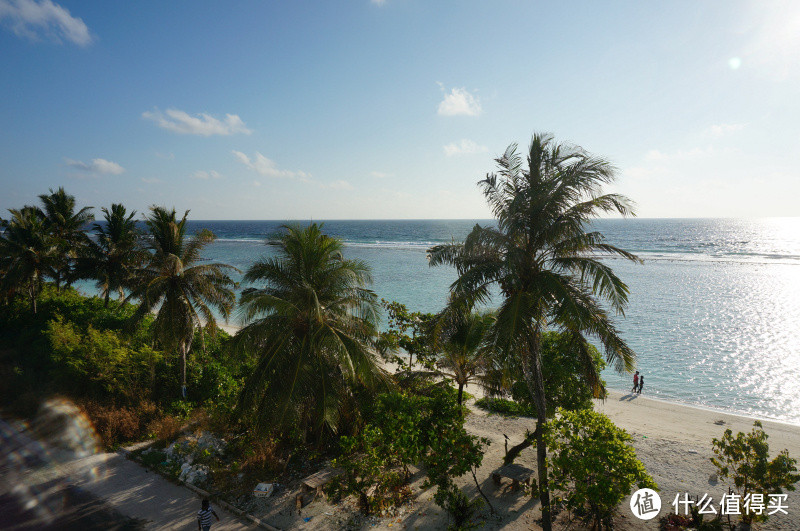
[641,384]
[204,516]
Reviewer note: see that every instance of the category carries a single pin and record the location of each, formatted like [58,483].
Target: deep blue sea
[714,311]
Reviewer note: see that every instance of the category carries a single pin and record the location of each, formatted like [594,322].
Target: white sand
[672,440]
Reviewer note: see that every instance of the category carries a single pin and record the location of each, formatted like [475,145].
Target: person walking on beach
[635,382]
[641,384]
[204,516]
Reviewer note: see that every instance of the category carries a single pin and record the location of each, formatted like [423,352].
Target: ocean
[713,316]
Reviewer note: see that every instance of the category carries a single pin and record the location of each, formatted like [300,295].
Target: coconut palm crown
[178,287]
[66,225]
[312,322]
[116,254]
[27,253]
[545,260]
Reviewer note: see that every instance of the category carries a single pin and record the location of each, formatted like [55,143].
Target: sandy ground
[672,440]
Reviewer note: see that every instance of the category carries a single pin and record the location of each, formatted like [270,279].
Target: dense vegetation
[77,347]
[302,379]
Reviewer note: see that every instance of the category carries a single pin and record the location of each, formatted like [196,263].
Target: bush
[504,407]
[406,429]
[592,466]
[745,458]
[116,425]
[565,384]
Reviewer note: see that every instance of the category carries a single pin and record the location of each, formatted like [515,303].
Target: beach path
[138,493]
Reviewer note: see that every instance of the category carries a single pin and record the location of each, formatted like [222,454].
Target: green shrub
[745,459]
[592,466]
[407,429]
[508,408]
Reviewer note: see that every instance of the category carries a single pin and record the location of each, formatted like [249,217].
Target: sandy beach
[672,440]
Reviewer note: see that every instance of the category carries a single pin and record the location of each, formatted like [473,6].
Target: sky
[394,109]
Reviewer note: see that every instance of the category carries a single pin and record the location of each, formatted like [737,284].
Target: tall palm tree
[312,321]
[461,341]
[67,228]
[546,262]
[115,256]
[26,253]
[178,287]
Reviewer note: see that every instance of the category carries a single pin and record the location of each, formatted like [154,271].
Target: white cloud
[378,2]
[464,147]
[655,155]
[380,174]
[96,166]
[32,20]
[151,180]
[264,166]
[337,185]
[201,124]
[459,102]
[723,129]
[205,175]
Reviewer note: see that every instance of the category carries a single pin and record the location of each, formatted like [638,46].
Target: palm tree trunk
[105,302]
[32,294]
[460,392]
[532,369]
[183,349]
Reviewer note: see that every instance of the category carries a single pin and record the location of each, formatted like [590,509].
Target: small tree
[409,331]
[745,459]
[593,468]
[410,429]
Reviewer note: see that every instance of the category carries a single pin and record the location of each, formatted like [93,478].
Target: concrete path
[40,482]
[135,492]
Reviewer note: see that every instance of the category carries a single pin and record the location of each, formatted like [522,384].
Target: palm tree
[180,289]
[26,253]
[115,256]
[313,325]
[546,262]
[461,342]
[67,228]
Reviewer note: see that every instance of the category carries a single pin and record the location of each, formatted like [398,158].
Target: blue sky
[395,109]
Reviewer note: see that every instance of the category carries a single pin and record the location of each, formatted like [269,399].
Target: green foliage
[27,254]
[459,507]
[463,353]
[179,287]
[411,332]
[593,466]
[105,362]
[312,325]
[504,407]
[76,347]
[113,258]
[406,429]
[565,382]
[545,261]
[745,459]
